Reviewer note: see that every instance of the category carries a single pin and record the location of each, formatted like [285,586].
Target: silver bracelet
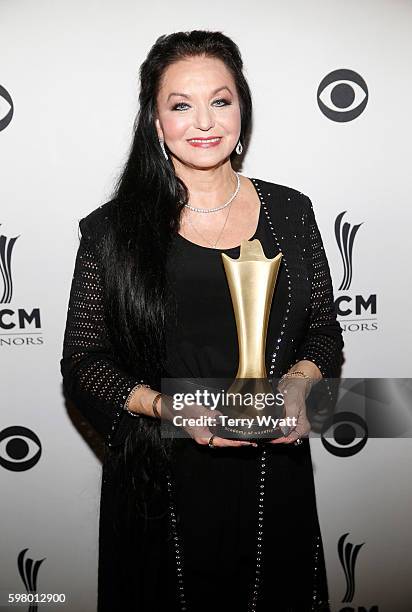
[129,397]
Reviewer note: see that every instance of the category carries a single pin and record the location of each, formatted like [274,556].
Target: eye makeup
[225,101]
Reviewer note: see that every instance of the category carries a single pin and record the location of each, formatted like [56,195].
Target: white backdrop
[70,70]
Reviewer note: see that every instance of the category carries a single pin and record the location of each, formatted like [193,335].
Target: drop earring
[162,146]
[239,148]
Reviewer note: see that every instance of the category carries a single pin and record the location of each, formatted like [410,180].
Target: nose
[204,118]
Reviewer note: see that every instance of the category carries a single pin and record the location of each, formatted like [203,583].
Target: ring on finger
[210,442]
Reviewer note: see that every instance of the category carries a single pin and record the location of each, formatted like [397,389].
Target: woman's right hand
[201,434]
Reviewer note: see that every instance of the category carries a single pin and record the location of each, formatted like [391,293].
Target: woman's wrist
[303,374]
[309,368]
[296,385]
[141,401]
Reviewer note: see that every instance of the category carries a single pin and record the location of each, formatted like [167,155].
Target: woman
[204,521]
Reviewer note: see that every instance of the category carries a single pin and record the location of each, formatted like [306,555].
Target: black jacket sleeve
[91,376]
[323,341]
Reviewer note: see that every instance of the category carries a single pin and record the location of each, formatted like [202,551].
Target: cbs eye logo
[20,448]
[342,95]
[6,108]
[348,434]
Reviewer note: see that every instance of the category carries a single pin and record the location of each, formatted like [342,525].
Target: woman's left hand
[295,391]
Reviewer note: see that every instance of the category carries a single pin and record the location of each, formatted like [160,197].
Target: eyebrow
[186,96]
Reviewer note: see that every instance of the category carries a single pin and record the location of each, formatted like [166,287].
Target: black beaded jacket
[92,375]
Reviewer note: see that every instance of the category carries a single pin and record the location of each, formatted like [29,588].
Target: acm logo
[356,312]
[18,326]
[28,570]
[348,554]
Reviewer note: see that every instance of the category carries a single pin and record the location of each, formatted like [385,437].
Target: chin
[209,165]
[204,162]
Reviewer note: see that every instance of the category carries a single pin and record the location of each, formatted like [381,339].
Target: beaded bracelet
[298,374]
[129,397]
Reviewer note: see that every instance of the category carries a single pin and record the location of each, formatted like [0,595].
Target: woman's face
[198,112]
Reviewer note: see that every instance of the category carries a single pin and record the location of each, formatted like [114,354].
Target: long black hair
[146,205]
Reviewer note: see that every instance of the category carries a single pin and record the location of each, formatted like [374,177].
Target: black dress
[227,533]
[247,526]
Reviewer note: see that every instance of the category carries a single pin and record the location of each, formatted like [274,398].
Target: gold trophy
[251,278]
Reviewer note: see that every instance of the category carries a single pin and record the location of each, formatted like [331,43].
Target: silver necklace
[209,210]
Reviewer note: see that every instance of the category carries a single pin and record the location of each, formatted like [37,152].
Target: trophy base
[260,435]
